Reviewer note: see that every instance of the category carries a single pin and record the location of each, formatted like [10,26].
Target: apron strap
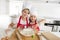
[19,22]
[22,24]
[27,22]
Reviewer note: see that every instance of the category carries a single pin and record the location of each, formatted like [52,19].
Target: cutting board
[16,35]
[22,37]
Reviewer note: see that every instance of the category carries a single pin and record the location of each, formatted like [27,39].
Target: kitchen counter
[56,33]
[16,35]
[51,35]
[22,37]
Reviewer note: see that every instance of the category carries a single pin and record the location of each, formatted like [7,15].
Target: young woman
[23,20]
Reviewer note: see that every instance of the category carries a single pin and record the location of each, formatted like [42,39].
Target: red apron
[34,24]
[22,25]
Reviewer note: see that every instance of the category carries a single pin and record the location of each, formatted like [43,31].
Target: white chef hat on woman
[27,5]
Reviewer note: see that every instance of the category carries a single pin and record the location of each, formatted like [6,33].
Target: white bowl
[27,32]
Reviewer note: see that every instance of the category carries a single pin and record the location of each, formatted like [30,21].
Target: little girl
[33,22]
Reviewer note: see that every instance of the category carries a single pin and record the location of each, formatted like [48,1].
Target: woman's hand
[11,25]
[7,30]
[3,39]
[20,27]
[6,38]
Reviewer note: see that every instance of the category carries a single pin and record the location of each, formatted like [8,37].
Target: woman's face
[33,18]
[25,13]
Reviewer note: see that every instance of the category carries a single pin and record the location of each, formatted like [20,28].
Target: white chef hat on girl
[34,12]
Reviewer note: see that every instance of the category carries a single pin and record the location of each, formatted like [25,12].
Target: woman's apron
[22,25]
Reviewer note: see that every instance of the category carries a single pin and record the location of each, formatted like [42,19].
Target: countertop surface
[51,35]
[56,33]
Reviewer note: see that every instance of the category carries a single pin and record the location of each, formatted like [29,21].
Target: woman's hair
[26,9]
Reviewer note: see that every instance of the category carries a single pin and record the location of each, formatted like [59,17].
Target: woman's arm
[18,35]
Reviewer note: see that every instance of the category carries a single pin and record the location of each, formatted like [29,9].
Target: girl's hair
[26,9]
[31,21]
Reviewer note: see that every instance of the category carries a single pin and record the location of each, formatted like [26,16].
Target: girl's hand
[42,21]
[34,26]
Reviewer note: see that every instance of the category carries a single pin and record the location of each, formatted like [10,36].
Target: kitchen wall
[4,8]
[15,7]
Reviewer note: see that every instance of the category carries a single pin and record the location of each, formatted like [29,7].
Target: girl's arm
[42,20]
[36,28]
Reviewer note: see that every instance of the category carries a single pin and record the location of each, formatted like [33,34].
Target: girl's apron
[31,25]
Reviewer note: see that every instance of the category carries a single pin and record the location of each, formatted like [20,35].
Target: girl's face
[33,18]
[25,13]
